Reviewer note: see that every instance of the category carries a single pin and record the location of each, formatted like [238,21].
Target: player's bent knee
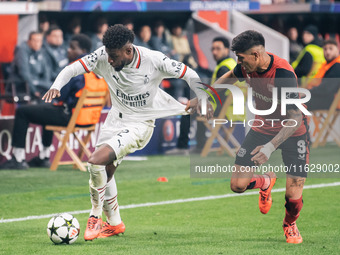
[237,187]
[93,160]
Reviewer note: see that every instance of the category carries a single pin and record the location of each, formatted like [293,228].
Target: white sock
[98,179]
[111,207]
[19,154]
[45,153]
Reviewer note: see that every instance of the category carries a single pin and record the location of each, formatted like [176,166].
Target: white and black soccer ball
[63,229]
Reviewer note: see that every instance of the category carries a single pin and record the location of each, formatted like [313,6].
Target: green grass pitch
[230,225]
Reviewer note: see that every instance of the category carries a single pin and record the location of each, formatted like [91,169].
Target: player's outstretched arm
[263,152]
[62,79]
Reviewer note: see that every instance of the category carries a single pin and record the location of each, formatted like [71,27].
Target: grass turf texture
[223,226]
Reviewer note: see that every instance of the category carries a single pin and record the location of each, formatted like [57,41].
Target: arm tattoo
[296,117]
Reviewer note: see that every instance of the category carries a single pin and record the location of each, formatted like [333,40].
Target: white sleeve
[195,83]
[87,64]
[174,69]
[67,74]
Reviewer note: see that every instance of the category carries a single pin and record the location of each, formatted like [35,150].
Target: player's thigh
[294,186]
[251,141]
[295,155]
[244,167]
[125,138]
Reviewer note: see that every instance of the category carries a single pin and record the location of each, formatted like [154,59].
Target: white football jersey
[135,91]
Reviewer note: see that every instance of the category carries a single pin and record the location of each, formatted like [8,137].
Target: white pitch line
[177,201]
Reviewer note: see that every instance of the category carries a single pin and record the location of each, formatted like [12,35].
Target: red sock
[293,208]
[259,182]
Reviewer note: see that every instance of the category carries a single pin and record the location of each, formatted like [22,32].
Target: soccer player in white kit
[133,75]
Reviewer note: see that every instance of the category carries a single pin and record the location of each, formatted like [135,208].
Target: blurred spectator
[44,24]
[181,46]
[100,28]
[294,47]
[57,114]
[30,67]
[143,37]
[55,51]
[224,63]
[74,28]
[158,41]
[128,23]
[326,82]
[220,52]
[310,58]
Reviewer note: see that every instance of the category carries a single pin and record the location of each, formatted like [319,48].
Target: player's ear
[256,55]
[129,50]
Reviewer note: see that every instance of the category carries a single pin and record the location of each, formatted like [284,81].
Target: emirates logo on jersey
[133,100]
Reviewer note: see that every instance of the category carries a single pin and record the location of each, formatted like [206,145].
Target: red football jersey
[278,74]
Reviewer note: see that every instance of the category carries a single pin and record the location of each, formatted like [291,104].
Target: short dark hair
[33,33]
[330,41]
[247,40]
[52,28]
[117,36]
[224,40]
[84,42]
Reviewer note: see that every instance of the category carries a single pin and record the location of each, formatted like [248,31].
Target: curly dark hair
[247,40]
[117,36]
[84,42]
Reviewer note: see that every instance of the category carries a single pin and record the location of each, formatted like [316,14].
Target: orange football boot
[109,230]
[93,228]
[292,233]
[265,198]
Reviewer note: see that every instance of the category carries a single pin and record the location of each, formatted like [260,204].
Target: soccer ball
[63,229]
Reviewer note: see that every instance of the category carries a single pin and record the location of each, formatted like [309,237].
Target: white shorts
[124,137]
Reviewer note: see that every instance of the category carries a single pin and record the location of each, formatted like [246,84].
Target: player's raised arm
[62,79]
[84,65]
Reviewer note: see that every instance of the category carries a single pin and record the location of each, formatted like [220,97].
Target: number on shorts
[301,146]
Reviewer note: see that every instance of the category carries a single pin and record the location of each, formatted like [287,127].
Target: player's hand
[49,95]
[259,158]
[192,105]
[195,106]
[262,153]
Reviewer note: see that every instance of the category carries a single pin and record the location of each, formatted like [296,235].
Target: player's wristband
[268,149]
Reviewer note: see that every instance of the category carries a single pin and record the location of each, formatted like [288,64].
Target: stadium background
[33,193]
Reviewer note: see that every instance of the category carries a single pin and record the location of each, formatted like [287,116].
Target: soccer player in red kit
[264,71]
